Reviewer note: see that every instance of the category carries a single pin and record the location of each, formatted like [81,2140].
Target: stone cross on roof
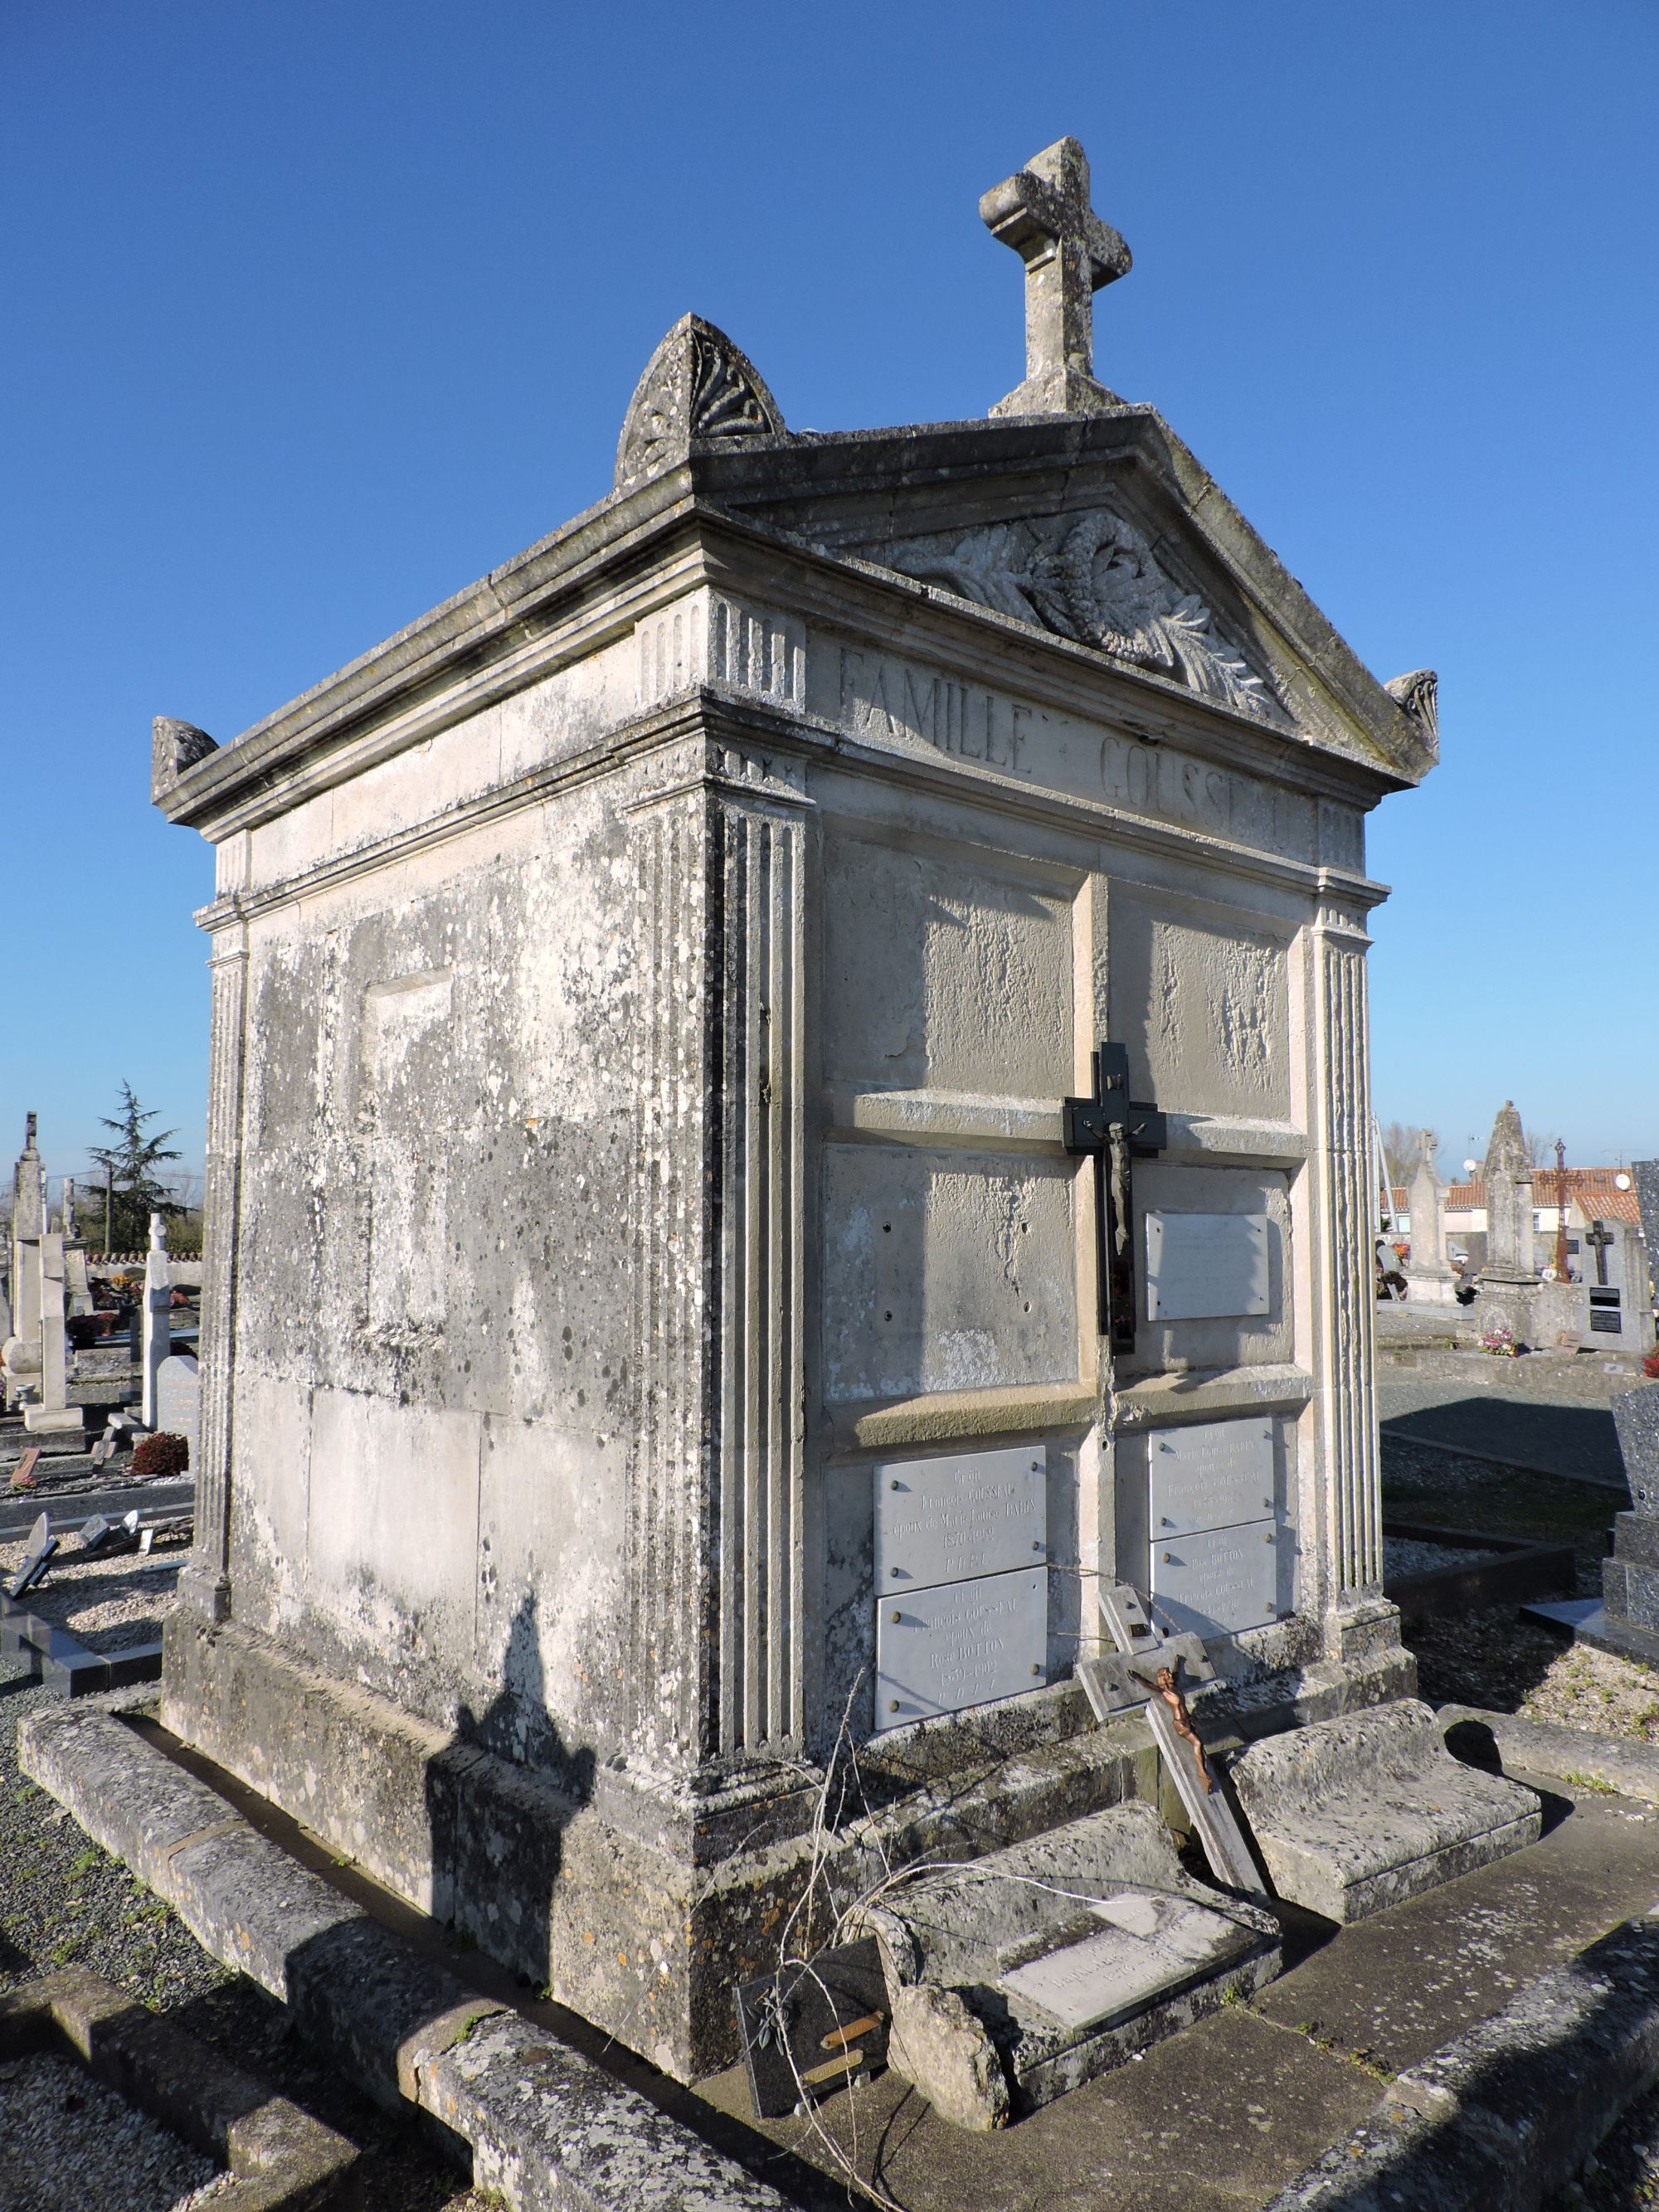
[1043,212]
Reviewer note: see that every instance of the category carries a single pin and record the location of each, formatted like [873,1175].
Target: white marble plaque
[964,1514]
[1150,1943]
[1206,1266]
[965,1644]
[1210,1475]
[1219,1580]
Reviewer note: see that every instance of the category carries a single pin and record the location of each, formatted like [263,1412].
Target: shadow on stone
[1511,2110]
[498,1799]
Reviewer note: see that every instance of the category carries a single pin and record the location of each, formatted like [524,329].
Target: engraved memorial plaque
[1210,1475]
[1219,1580]
[938,1650]
[964,1514]
[1151,1943]
[1206,1266]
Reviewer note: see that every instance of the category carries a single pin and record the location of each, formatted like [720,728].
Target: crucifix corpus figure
[1043,212]
[1165,1683]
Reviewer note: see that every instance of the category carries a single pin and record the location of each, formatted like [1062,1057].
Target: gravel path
[1411,1555]
[107,1603]
[65,2140]
[63,1900]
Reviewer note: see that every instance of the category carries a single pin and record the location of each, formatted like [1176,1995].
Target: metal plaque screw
[1035,1669]
[1037,1545]
[892,1705]
[894,1484]
[1169,1558]
[898,1617]
[1269,1538]
[895,1572]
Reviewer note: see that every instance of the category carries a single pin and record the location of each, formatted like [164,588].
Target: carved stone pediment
[1093,578]
[696,384]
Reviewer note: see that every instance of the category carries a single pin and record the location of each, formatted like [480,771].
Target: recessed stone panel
[1203,1004]
[1207,1267]
[1219,1581]
[963,1515]
[945,1271]
[1212,1475]
[938,1650]
[945,973]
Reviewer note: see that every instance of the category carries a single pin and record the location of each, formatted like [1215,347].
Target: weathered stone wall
[431,1366]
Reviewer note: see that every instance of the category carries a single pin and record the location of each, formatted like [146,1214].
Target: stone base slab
[1355,1814]
[1509,2113]
[53,1420]
[614,1897]
[1575,1755]
[548,2130]
[622,1921]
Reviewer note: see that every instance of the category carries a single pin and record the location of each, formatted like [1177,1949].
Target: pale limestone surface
[1358,1812]
[645,992]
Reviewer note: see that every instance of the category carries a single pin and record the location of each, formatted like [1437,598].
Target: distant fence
[136,1258]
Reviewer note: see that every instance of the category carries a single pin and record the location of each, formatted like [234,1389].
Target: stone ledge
[546,2126]
[279,2158]
[1567,1754]
[1511,2111]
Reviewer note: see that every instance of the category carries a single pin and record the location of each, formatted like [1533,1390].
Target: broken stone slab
[1358,1812]
[1569,1754]
[1069,1953]
[547,2128]
[1508,2112]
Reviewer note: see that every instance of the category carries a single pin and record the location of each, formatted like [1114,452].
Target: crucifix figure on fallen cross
[1116,1130]
[1598,1236]
[1043,212]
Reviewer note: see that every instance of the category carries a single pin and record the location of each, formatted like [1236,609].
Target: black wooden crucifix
[1116,1130]
[1598,1239]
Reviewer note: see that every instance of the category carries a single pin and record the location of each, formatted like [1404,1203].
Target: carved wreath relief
[1092,578]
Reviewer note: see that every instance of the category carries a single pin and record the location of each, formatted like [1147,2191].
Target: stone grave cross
[1043,212]
[158,1303]
[1598,1236]
[1116,1130]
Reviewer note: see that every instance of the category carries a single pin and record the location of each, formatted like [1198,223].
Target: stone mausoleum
[789,1099]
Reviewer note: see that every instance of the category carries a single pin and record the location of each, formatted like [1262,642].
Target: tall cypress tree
[131,1163]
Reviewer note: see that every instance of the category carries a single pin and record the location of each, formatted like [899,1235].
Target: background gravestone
[1630,1579]
[178,1399]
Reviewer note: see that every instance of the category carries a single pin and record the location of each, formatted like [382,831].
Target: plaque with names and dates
[1207,1267]
[1212,1475]
[1219,1580]
[966,1643]
[960,1515]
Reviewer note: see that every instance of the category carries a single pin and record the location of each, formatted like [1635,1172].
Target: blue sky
[315,312]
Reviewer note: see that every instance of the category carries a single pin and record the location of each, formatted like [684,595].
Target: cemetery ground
[1219,2118]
